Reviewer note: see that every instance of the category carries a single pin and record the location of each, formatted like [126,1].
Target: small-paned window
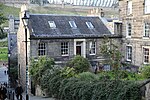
[92,47]
[129,30]
[89,25]
[41,49]
[72,24]
[146,29]
[146,55]
[52,24]
[64,48]
[147,6]
[129,53]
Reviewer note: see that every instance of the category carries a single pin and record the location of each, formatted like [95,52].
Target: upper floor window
[147,6]
[72,24]
[64,48]
[41,49]
[129,53]
[146,55]
[92,47]
[129,7]
[52,24]
[146,29]
[117,28]
[129,30]
[89,25]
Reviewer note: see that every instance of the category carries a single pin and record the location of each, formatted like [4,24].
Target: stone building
[61,37]
[135,17]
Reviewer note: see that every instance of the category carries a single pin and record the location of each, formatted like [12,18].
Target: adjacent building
[135,17]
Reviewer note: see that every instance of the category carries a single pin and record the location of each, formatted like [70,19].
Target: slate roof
[40,28]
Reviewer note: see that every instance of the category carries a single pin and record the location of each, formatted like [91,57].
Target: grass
[56,10]
[8,10]
[3,54]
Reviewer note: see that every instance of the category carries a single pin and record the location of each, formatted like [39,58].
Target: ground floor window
[146,55]
[129,53]
[41,49]
[64,48]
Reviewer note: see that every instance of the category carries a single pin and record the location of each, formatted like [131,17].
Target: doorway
[78,50]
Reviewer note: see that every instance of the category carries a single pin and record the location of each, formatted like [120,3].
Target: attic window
[52,24]
[89,25]
[72,24]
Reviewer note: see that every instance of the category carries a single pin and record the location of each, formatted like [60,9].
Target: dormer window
[89,25]
[72,24]
[52,24]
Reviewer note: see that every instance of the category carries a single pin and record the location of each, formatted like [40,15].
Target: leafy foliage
[3,44]
[38,68]
[2,17]
[53,77]
[75,89]
[145,71]
[80,64]
[123,75]
[110,51]
[87,76]
[2,20]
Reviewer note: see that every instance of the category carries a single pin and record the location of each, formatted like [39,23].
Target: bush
[123,75]
[52,79]
[80,64]
[87,76]
[145,71]
[76,89]
[38,68]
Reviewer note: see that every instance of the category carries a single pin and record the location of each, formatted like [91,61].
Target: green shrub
[38,68]
[145,71]
[87,76]
[123,75]
[76,89]
[52,79]
[80,64]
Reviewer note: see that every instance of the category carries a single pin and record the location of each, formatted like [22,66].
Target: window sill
[128,60]
[92,54]
[65,55]
[128,36]
[145,63]
[148,13]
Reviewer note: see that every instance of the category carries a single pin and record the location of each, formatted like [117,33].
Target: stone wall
[137,19]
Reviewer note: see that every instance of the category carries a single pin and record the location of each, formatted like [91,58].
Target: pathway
[4,78]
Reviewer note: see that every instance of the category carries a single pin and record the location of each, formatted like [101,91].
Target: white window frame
[92,47]
[72,24]
[52,24]
[89,25]
[129,7]
[41,49]
[146,30]
[146,55]
[129,53]
[129,30]
[147,7]
[65,48]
